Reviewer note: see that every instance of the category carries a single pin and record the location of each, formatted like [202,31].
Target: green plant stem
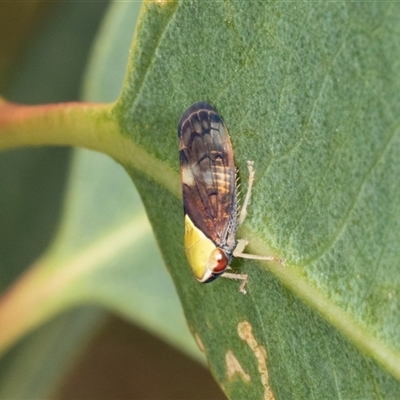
[89,125]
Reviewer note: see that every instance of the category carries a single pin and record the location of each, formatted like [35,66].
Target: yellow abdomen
[198,249]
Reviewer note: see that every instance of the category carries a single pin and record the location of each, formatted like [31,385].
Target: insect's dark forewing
[208,174]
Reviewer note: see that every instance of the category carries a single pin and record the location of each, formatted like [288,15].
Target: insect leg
[238,252]
[238,277]
[243,211]
[242,243]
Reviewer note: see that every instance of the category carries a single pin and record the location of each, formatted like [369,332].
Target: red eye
[221,261]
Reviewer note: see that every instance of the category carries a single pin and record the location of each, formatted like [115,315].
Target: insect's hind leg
[243,211]
[242,243]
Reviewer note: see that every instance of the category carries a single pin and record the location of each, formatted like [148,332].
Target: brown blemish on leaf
[233,367]
[244,331]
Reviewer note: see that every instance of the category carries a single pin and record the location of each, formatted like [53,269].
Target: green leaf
[310,93]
